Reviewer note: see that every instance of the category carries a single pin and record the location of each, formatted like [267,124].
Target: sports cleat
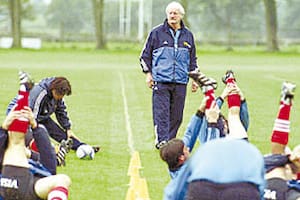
[61,151]
[96,148]
[26,79]
[160,144]
[287,90]
[211,85]
[67,144]
[202,80]
[228,75]
[61,155]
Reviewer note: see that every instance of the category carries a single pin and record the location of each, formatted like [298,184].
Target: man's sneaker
[287,91]
[26,79]
[202,80]
[228,75]
[96,148]
[161,144]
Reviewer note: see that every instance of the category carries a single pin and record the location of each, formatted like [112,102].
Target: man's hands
[26,112]
[149,80]
[232,89]
[71,134]
[195,86]
[212,114]
[29,115]
[12,115]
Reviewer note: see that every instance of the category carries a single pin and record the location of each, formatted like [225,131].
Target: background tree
[185,4]
[70,17]
[15,16]
[271,25]
[98,6]
[226,21]
[288,20]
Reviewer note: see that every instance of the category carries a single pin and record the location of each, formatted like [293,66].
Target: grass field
[96,107]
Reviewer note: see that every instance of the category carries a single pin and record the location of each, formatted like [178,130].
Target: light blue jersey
[223,160]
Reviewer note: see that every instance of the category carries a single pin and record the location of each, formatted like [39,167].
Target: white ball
[85,151]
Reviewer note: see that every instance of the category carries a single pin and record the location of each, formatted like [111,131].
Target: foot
[61,153]
[202,80]
[160,144]
[26,80]
[211,86]
[67,144]
[287,91]
[96,148]
[229,75]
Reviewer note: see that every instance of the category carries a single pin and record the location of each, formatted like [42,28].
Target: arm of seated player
[212,114]
[177,187]
[244,114]
[193,128]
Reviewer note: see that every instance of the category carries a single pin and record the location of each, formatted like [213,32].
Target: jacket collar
[167,26]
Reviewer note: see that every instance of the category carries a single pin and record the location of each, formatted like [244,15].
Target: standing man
[169,54]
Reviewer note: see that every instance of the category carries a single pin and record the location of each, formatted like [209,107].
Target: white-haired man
[168,55]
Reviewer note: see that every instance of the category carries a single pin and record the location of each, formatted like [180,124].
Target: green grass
[96,107]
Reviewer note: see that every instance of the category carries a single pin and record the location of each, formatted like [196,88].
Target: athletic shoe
[228,75]
[202,80]
[26,79]
[287,91]
[61,155]
[61,151]
[160,144]
[211,85]
[96,148]
[67,144]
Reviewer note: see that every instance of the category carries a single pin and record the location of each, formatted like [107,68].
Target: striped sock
[281,127]
[58,193]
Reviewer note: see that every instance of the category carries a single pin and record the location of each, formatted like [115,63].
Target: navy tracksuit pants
[57,133]
[167,106]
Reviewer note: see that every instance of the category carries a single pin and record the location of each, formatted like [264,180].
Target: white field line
[127,117]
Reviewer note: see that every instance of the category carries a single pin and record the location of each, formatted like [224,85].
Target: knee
[63,180]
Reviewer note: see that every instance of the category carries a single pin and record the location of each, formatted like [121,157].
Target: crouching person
[17,182]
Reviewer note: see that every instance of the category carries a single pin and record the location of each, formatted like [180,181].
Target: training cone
[135,159]
[134,182]
[143,193]
[130,194]
[134,165]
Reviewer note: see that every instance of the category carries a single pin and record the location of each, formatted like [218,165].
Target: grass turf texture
[97,110]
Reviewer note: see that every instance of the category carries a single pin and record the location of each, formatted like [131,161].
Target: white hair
[175,5]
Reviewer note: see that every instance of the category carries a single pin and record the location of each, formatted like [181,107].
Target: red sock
[58,193]
[21,124]
[282,125]
[33,146]
[210,95]
[233,99]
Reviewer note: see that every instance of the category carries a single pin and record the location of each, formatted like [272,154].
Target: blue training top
[223,160]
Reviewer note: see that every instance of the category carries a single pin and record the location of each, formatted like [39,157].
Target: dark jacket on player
[44,105]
